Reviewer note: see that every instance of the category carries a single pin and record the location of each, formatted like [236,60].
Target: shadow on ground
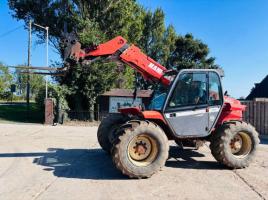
[96,164]
[186,159]
[79,163]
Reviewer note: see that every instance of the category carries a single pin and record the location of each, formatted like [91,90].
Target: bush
[57,93]
[5,95]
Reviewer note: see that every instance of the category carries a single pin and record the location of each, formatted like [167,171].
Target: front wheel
[141,149]
[234,144]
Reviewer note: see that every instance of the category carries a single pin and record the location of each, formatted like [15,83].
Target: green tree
[158,30]
[190,53]
[95,22]
[168,44]
[36,82]
[153,34]
[87,84]
[5,78]
[157,41]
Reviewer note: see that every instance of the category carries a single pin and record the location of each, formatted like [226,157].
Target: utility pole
[29,63]
[45,28]
[46,56]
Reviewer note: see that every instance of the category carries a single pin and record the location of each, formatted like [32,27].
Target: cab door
[186,108]
[215,99]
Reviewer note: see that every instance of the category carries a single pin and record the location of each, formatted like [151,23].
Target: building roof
[127,93]
[260,90]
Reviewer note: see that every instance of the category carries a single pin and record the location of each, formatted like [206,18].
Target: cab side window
[191,89]
[215,92]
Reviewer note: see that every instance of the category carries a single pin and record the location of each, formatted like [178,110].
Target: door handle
[172,115]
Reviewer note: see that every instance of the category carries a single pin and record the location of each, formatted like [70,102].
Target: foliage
[55,92]
[111,17]
[153,33]
[36,82]
[5,79]
[58,94]
[169,44]
[130,74]
[157,41]
[88,83]
[5,95]
[190,53]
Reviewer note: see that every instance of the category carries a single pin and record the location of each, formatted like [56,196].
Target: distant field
[17,112]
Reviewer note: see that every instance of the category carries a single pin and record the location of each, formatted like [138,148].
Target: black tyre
[234,144]
[141,149]
[107,129]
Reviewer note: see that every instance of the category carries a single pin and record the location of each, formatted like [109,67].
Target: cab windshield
[160,93]
[158,99]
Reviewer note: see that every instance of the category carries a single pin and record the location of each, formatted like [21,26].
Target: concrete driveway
[66,162]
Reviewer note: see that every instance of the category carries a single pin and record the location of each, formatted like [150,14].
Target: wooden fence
[257,114]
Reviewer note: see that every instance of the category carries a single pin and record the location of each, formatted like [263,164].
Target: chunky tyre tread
[125,132]
[221,139]
[107,125]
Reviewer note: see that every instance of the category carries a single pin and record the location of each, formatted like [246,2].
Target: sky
[236,32]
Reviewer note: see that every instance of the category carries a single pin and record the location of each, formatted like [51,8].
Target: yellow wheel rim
[241,145]
[142,150]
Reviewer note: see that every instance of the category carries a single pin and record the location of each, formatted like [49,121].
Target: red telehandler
[187,106]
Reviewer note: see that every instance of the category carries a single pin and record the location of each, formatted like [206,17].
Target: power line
[10,31]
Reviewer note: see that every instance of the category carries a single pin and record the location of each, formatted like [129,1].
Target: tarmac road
[66,162]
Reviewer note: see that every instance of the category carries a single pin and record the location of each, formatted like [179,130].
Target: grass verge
[18,113]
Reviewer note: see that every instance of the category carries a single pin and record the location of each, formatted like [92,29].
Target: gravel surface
[66,162]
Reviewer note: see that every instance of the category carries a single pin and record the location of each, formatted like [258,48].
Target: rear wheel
[107,129]
[141,149]
[234,144]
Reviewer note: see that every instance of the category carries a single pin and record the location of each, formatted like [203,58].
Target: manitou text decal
[155,68]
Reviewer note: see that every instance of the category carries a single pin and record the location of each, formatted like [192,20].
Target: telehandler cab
[188,107]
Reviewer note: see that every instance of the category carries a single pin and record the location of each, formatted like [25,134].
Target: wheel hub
[236,144]
[241,144]
[140,148]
